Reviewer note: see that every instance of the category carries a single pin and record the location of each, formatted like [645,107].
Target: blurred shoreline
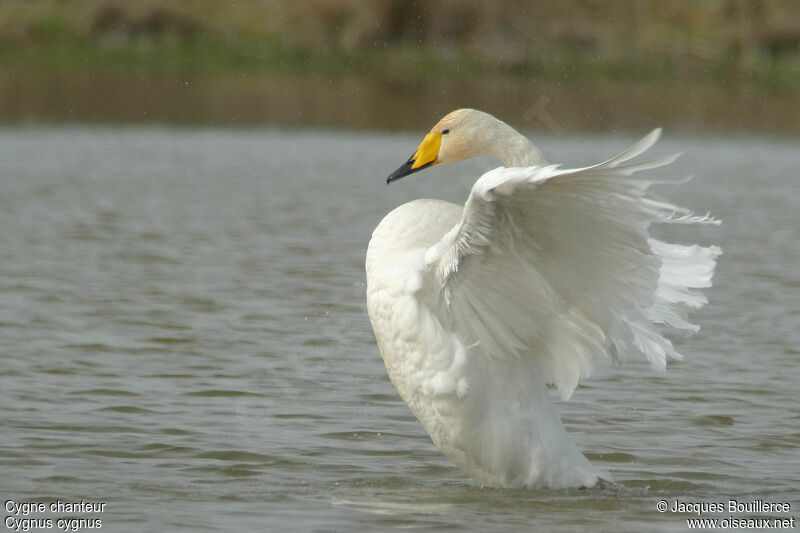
[394,65]
[354,102]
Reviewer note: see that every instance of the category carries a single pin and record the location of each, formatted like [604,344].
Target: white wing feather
[558,265]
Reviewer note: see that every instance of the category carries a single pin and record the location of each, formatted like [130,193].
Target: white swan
[476,309]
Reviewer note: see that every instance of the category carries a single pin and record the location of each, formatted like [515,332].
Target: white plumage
[476,309]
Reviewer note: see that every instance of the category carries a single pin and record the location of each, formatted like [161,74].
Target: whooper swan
[477,309]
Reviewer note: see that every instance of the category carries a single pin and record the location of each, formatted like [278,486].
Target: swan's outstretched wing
[558,265]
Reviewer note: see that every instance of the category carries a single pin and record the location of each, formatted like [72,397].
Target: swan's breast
[410,338]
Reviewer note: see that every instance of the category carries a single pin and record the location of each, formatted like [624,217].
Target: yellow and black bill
[426,155]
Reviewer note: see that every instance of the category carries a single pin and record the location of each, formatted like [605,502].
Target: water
[183,336]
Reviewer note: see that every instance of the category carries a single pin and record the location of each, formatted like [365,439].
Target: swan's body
[476,309]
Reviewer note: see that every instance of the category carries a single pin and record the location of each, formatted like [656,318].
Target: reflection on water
[184,337]
[358,102]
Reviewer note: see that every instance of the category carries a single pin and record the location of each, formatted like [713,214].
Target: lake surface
[183,336]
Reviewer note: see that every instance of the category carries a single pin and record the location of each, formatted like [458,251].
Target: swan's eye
[445,132]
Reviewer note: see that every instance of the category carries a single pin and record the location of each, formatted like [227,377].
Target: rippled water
[183,336]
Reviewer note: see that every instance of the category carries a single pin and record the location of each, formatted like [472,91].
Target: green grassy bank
[400,40]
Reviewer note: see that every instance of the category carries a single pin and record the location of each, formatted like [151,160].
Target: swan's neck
[511,147]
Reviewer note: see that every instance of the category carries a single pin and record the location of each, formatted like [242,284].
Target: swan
[478,310]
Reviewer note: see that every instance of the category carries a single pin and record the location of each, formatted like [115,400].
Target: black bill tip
[405,170]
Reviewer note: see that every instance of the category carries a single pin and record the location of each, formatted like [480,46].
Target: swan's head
[462,134]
